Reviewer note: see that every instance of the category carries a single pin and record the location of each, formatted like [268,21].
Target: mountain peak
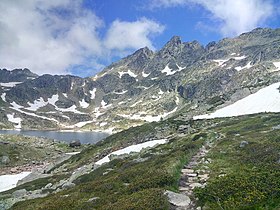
[174,41]
[145,51]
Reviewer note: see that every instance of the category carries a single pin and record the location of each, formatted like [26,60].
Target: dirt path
[193,177]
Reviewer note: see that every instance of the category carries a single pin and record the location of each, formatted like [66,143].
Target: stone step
[187,171]
[192,174]
[184,189]
[193,185]
[203,176]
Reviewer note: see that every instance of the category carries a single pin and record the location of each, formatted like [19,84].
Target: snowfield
[10,181]
[265,100]
[132,148]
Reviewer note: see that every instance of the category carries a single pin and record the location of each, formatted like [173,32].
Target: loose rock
[177,199]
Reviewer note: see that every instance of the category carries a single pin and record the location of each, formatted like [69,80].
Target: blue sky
[81,37]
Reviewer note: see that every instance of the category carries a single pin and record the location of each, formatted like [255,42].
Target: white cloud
[124,35]
[33,35]
[55,35]
[167,3]
[234,17]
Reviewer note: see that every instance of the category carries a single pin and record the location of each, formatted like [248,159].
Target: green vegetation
[23,149]
[244,176]
[244,168]
[135,182]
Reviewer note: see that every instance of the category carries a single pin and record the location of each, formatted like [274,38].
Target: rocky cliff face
[181,78]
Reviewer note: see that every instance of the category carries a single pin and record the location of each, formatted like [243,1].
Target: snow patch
[72,108]
[84,104]
[169,71]
[9,84]
[177,101]
[8,182]
[277,65]
[97,112]
[239,68]
[104,105]
[103,124]
[16,120]
[3,97]
[65,95]
[53,100]
[18,108]
[144,74]
[239,58]
[72,153]
[265,100]
[130,73]
[36,104]
[132,148]
[92,93]
[160,92]
[221,62]
[133,105]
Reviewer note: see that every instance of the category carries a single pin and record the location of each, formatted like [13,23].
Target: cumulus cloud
[234,17]
[132,35]
[56,35]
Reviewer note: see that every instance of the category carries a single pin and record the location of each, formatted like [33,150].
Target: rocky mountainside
[183,78]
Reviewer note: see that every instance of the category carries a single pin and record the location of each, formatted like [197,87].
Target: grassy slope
[138,182]
[245,177]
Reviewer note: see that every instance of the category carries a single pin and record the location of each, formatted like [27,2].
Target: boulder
[243,144]
[177,199]
[75,143]
[93,199]
[48,186]
[19,193]
[5,160]
[68,185]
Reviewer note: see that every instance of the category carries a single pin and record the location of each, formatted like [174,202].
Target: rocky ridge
[182,77]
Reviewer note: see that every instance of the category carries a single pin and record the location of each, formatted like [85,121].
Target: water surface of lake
[66,136]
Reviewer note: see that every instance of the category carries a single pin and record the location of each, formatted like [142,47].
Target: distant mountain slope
[181,78]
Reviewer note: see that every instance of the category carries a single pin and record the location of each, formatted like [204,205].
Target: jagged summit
[16,75]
